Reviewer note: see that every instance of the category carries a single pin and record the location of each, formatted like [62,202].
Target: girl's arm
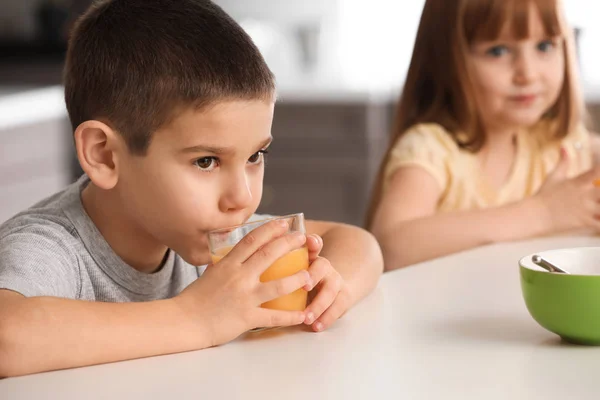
[410,231]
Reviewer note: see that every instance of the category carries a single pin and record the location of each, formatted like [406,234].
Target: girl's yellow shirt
[459,175]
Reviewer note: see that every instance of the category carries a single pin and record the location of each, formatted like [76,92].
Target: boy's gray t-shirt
[54,249]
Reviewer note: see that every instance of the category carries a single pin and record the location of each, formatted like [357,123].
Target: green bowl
[566,304]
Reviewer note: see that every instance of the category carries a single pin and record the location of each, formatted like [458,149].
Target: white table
[455,327]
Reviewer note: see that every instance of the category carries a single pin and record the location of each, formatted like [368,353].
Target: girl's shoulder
[578,137]
[430,137]
[578,144]
[428,146]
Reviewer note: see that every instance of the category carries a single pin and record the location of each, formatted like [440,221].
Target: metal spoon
[537,260]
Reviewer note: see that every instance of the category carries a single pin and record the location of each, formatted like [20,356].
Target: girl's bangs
[485,20]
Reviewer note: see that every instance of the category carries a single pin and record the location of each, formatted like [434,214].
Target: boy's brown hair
[437,88]
[134,63]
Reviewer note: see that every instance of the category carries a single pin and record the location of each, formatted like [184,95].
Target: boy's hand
[225,301]
[330,297]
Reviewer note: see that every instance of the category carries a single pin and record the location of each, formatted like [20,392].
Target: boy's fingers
[280,287]
[324,299]
[317,270]
[267,318]
[314,243]
[332,314]
[274,250]
[256,239]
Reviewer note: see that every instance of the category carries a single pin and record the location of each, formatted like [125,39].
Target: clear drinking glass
[221,241]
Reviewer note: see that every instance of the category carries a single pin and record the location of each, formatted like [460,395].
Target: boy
[171,106]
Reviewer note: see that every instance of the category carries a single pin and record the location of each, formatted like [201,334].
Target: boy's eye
[257,157]
[497,51]
[546,46]
[206,164]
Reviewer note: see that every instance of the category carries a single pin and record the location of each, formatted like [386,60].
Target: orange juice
[287,265]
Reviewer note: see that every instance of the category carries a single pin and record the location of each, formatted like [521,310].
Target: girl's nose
[525,68]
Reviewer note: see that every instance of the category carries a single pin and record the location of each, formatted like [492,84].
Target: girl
[488,144]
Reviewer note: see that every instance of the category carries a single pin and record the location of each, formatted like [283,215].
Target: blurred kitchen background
[339,66]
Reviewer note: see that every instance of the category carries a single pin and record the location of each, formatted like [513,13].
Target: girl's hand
[571,203]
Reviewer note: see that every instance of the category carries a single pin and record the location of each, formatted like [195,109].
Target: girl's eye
[206,164]
[546,46]
[497,51]
[258,157]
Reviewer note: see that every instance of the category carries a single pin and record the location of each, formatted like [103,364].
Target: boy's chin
[196,257]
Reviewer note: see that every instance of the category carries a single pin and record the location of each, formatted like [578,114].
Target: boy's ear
[98,150]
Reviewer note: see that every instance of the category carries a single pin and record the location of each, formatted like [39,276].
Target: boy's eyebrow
[220,150]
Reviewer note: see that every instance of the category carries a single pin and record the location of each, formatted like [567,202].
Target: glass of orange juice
[221,241]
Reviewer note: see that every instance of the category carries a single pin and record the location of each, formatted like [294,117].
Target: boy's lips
[204,232]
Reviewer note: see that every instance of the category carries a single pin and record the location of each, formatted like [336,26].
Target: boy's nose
[237,194]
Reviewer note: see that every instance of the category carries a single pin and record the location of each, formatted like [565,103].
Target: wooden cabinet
[324,158]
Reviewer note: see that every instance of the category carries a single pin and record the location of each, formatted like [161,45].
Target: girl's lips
[528,98]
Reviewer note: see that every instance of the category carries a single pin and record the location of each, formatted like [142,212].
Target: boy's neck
[134,246]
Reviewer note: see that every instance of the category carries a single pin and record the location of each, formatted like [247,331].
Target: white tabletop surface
[452,328]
